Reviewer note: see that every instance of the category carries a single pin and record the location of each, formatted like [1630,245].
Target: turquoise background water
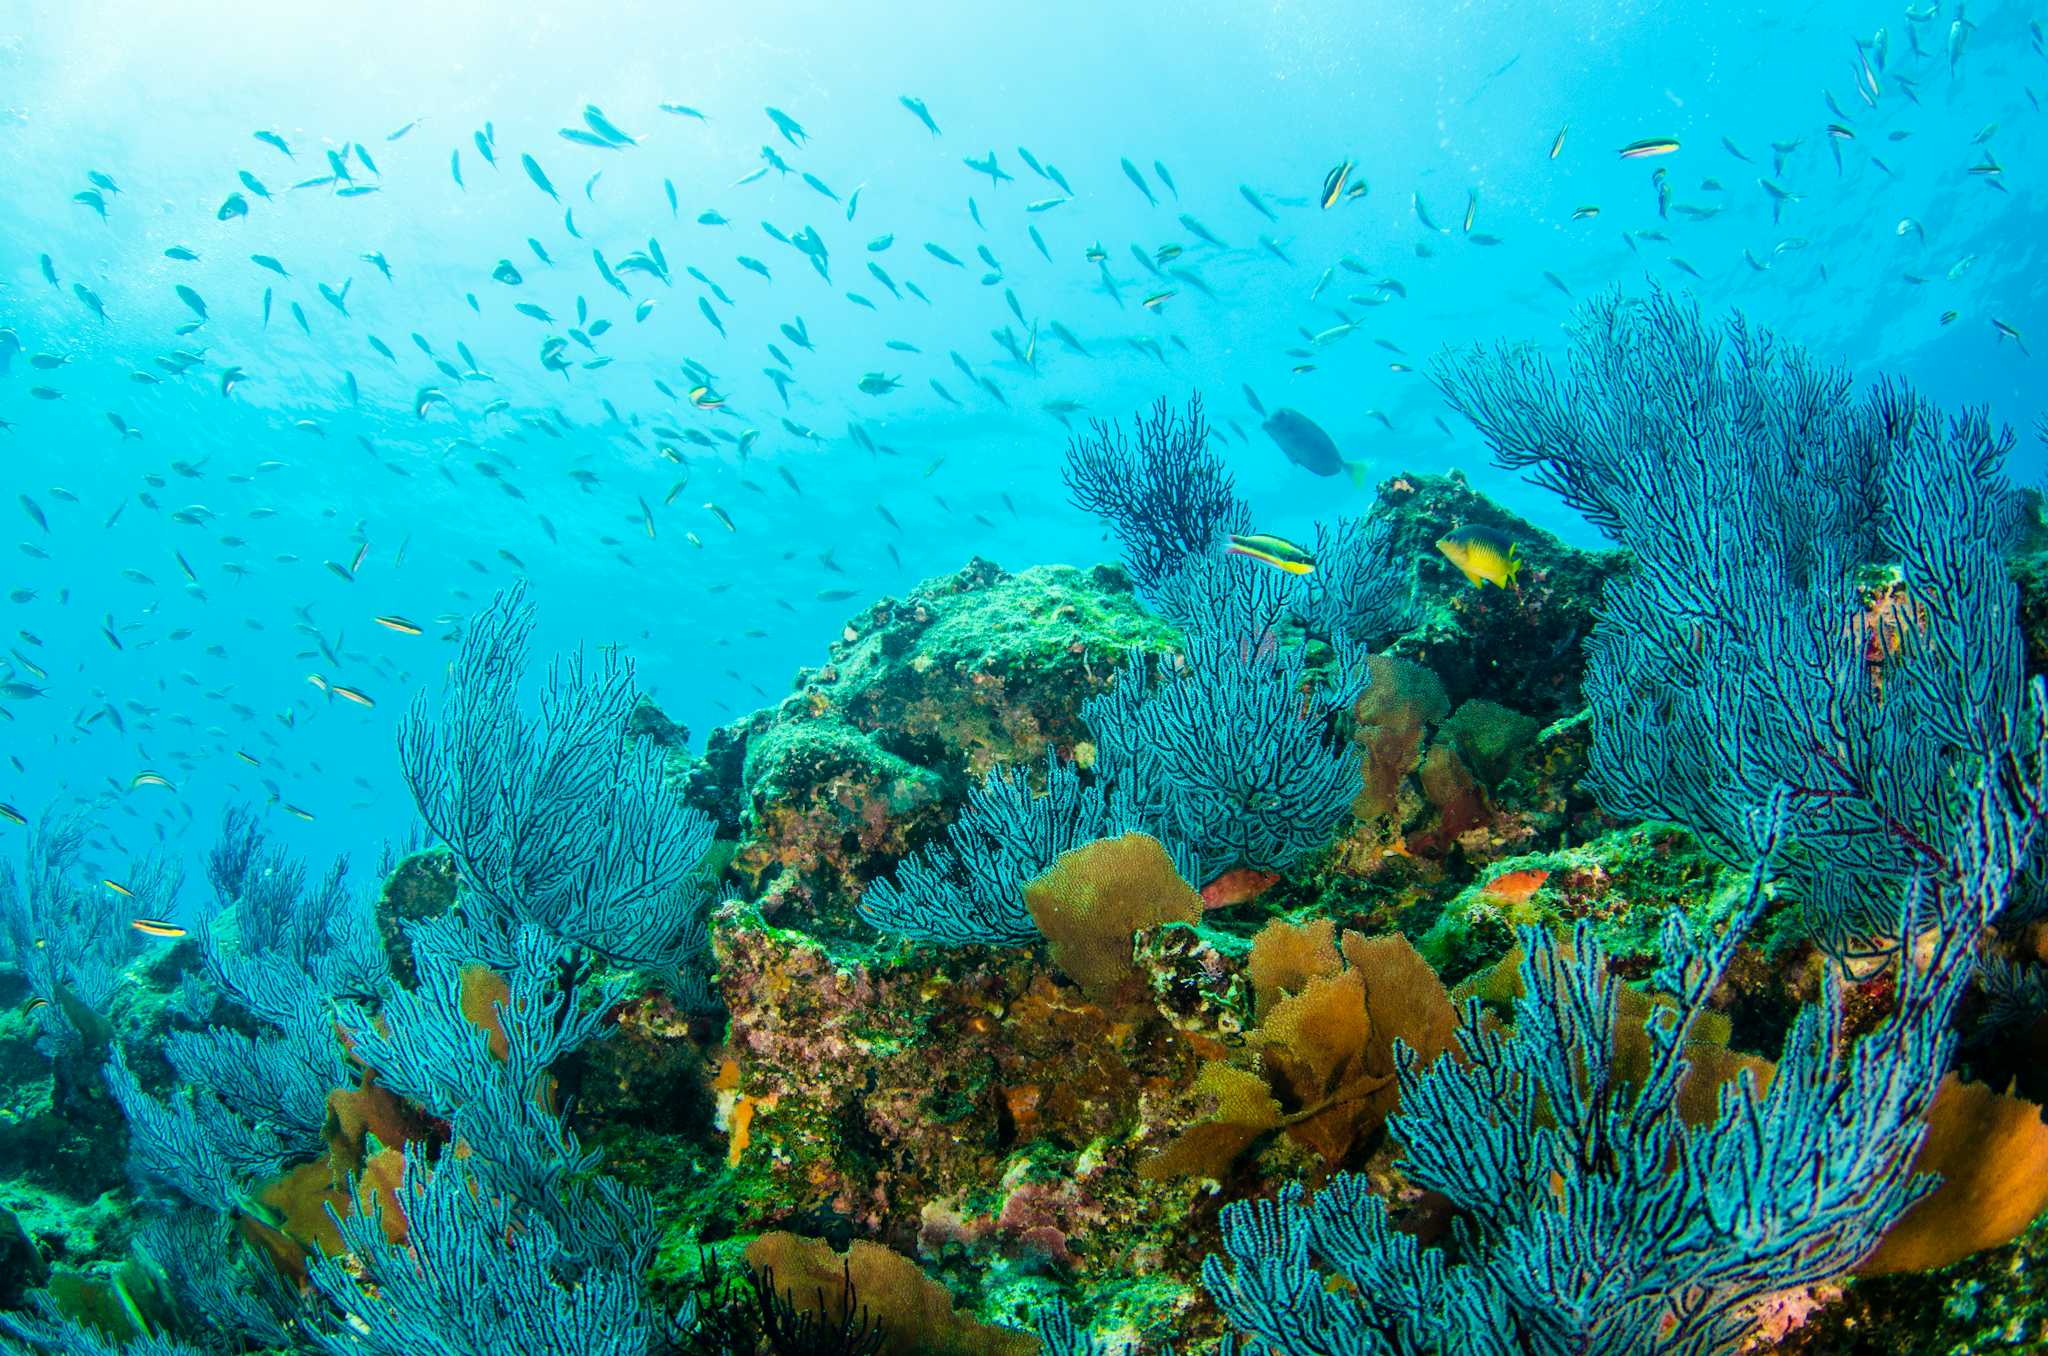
[1431,101]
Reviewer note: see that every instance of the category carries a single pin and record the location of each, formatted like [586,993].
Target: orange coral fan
[1329,1013]
[300,1201]
[1096,898]
[484,990]
[1286,956]
[356,1116]
[1992,1153]
[915,1312]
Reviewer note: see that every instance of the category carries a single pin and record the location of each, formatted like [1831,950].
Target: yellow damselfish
[1483,555]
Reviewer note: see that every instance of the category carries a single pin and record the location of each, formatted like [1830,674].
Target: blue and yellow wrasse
[1648,146]
[1333,185]
[1278,552]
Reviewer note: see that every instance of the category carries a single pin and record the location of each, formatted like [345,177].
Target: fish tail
[1358,473]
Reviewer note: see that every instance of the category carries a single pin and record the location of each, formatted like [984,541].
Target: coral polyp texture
[1250,947]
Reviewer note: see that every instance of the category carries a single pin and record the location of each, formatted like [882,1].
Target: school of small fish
[715,332]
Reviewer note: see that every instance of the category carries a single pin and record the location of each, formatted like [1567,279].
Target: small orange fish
[1516,887]
[1881,629]
[156,927]
[1237,886]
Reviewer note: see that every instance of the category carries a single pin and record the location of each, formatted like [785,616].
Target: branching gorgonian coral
[1818,599]
[1596,1221]
[69,935]
[474,1274]
[1361,593]
[424,1046]
[1167,499]
[1230,753]
[556,818]
[1231,750]
[968,887]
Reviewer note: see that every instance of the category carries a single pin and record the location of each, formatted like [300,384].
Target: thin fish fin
[1358,473]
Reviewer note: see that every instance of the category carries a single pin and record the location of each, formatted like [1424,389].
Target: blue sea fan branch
[222,1285]
[236,855]
[1060,1335]
[474,1277]
[353,967]
[1361,593]
[64,931]
[193,1145]
[968,887]
[1594,1220]
[425,1047]
[558,819]
[1758,641]
[1230,749]
[1222,593]
[1167,500]
[427,1050]
[278,1082]
[46,1330]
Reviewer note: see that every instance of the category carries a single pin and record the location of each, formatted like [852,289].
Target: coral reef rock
[919,699]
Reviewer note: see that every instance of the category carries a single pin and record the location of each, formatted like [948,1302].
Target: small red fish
[1236,886]
[1516,887]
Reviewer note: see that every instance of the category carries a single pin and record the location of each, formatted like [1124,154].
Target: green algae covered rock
[919,699]
[1626,881]
[990,666]
[825,802]
[421,885]
[1518,647]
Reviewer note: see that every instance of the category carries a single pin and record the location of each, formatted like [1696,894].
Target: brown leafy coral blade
[1992,1153]
[1245,1110]
[1286,956]
[915,1311]
[1094,899]
[1322,1057]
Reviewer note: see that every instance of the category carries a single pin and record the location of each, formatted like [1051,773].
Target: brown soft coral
[1320,1064]
[1095,899]
[914,1312]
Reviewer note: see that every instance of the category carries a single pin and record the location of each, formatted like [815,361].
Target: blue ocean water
[176,587]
